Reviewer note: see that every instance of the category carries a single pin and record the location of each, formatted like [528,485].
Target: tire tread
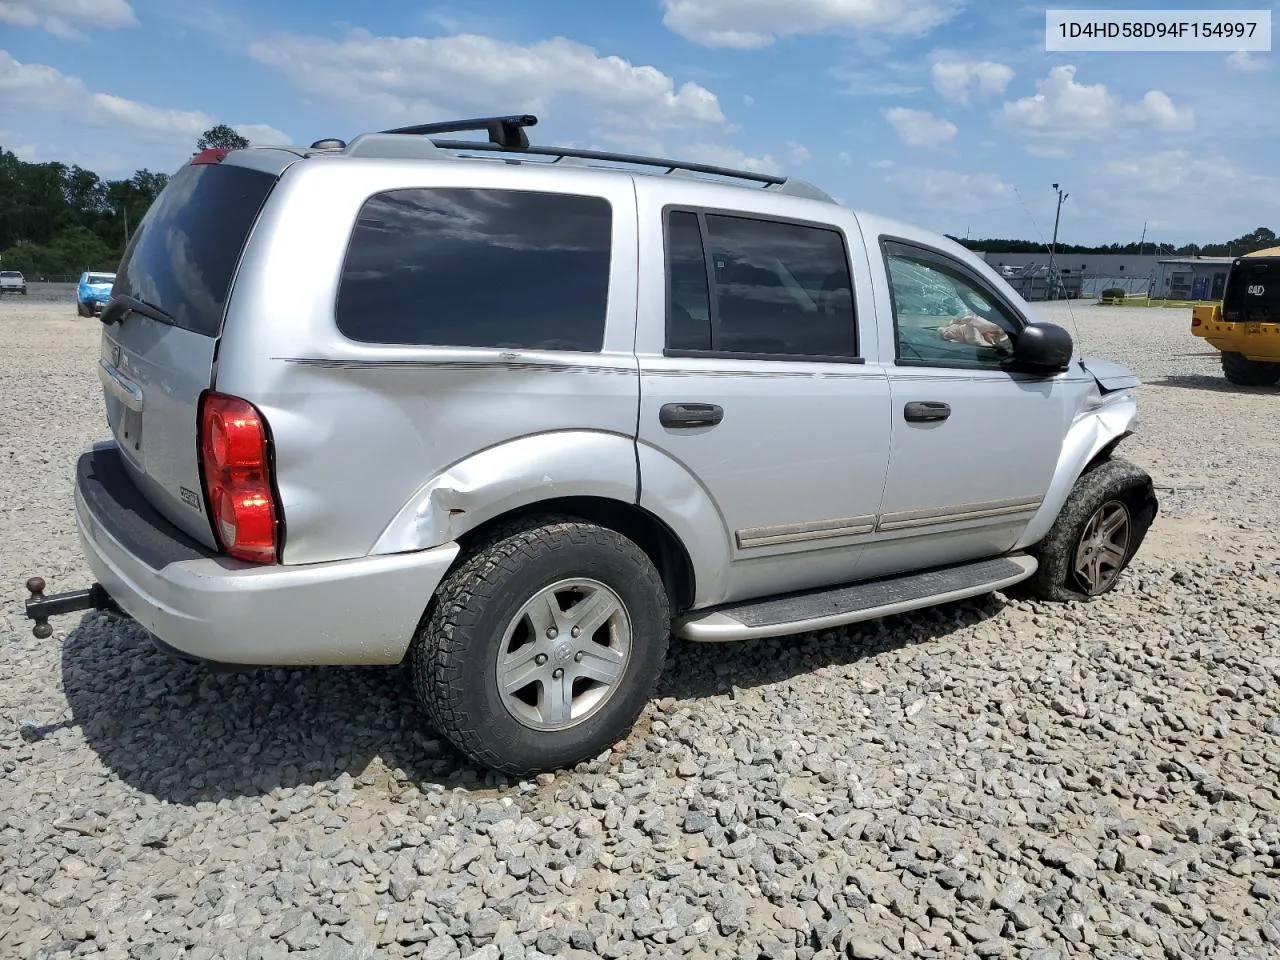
[440,648]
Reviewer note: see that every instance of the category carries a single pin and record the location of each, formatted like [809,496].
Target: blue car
[93,292]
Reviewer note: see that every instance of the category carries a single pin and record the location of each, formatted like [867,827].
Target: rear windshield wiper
[122,304]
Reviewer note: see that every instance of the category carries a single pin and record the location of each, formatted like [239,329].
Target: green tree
[220,137]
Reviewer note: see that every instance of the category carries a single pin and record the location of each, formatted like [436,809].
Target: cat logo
[1257,290]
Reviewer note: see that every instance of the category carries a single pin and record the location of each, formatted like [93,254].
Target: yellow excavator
[1245,326]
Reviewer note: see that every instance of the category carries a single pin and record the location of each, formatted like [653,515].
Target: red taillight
[212,155]
[236,470]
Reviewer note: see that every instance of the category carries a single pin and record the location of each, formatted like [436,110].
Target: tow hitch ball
[40,608]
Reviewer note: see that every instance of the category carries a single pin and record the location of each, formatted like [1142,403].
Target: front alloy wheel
[1098,530]
[1103,548]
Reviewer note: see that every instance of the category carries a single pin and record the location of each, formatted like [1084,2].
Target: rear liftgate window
[478,268]
[183,257]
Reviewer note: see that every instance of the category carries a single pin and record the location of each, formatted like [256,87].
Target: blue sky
[947,113]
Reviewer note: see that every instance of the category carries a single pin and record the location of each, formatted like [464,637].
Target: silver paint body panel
[386,455]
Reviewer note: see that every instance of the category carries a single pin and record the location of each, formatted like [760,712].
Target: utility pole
[1053,248]
[1144,238]
[125,210]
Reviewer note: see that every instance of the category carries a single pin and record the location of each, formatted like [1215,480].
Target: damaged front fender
[1106,420]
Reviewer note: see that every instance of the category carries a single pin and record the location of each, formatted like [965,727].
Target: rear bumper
[212,607]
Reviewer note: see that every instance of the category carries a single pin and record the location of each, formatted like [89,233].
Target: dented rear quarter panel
[377,446]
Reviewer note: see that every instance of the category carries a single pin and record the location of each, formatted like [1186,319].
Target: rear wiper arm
[122,304]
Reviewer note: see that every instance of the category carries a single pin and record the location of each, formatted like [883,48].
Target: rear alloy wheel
[1244,372]
[541,649]
[1097,533]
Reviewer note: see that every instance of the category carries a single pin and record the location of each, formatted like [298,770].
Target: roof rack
[507,135]
[505,132]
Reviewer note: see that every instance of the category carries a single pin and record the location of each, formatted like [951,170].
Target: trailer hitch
[40,608]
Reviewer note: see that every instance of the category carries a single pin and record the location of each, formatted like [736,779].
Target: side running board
[821,609]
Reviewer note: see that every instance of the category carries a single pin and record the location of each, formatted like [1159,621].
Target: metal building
[1191,278]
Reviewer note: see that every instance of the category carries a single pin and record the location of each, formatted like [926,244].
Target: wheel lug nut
[576,631]
[558,674]
[540,659]
[577,658]
[552,633]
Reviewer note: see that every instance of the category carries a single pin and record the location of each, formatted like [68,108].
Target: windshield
[96,278]
[11,275]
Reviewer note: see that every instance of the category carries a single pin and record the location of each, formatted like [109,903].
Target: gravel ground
[995,778]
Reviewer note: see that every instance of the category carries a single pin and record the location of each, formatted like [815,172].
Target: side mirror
[1043,347]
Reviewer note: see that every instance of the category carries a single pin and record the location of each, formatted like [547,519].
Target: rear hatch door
[160,341]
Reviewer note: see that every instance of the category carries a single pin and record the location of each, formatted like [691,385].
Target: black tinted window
[688,304]
[185,252]
[780,289]
[1253,291]
[478,268]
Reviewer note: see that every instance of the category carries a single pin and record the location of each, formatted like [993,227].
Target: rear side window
[478,268]
[778,290]
[184,255]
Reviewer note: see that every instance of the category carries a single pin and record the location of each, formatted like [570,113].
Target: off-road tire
[1113,479]
[82,310]
[1242,371]
[454,652]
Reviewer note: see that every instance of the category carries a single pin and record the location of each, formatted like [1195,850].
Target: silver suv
[519,413]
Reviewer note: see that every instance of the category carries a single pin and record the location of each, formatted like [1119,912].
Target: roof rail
[670,165]
[507,135]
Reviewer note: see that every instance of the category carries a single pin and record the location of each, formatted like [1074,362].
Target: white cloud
[845,157]
[920,128]
[953,78]
[144,116]
[1061,107]
[882,164]
[60,105]
[263,134]
[68,18]
[396,80]
[1186,194]
[1242,61]
[1159,111]
[42,88]
[721,155]
[750,24]
[946,191]
[797,153]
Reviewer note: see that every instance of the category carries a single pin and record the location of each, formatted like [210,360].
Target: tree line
[1259,239]
[59,220]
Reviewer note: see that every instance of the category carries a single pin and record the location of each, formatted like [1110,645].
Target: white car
[12,281]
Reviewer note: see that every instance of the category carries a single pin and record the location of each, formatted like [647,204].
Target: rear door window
[183,258]
[478,268]
[778,290]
